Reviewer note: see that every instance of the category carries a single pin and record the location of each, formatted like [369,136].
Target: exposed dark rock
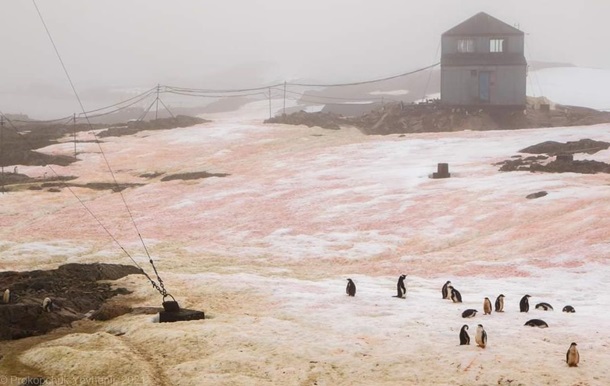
[157,124]
[434,117]
[532,164]
[583,167]
[329,121]
[586,145]
[74,288]
[192,176]
[151,175]
[22,139]
[564,158]
[536,195]
[395,118]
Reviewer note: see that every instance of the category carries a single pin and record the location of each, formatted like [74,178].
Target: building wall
[514,43]
[460,85]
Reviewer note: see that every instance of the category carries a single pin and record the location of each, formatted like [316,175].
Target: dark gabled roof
[483,59]
[482,24]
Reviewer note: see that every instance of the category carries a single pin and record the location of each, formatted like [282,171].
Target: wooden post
[442,171]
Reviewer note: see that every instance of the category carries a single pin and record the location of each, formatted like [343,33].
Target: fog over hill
[122,45]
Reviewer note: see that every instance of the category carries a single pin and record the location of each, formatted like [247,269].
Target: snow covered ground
[576,86]
[266,252]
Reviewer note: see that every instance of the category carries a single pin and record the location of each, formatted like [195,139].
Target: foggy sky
[235,43]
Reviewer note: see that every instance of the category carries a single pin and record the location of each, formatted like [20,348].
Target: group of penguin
[401,289]
[47,303]
[449,292]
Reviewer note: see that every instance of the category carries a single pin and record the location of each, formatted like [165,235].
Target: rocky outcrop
[586,145]
[564,160]
[73,288]
[329,121]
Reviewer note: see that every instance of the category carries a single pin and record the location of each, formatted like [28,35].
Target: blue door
[484,86]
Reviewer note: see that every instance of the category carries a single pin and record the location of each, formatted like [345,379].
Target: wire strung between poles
[366,81]
[160,286]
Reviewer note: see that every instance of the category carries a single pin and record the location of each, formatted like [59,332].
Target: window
[465,45]
[496,45]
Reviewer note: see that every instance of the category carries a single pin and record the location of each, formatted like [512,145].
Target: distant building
[482,63]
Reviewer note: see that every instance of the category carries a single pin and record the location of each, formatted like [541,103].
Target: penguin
[500,303]
[401,290]
[572,356]
[464,338]
[481,336]
[445,290]
[47,305]
[569,309]
[544,306]
[456,296]
[486,306]
[536,323]
[524,304]
[6,297]
[351,288]
[469,313]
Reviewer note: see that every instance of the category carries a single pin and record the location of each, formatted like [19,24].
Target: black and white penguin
[469,313]
[572,356]
[544,306]
[569,309]
[401,290]
[524,304]
[456,296]
[445,290]
[351,288]
[536,323]
[486,306]
[481,336]
[47,305]
[6,296]
[500,303]
[464,338]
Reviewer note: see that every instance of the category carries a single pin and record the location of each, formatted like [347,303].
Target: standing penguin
[481,336]
[401,290]
[6,297]
[445,290]
[524,304]
[500,303]
[351,288]
[486,306]
[572,356]
[456,296]
[464,338]
[47,304]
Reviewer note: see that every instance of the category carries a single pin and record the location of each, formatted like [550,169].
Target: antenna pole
[284,98]
[157,100]
[74,131]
